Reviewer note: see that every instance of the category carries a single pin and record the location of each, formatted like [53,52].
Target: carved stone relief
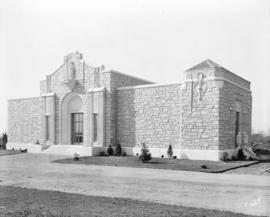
[200,85]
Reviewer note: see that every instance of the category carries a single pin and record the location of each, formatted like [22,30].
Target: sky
[155,39]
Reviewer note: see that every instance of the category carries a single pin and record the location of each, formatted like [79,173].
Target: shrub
[118,150]
[225,156]
[145,154]
[76,157]
[4,140]
[37,142]
[170,151]
[110,150]
[240,155]
[234,158]
[123,154]
[102,153]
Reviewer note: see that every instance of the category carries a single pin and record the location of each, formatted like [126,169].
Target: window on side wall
[47,120]
[95,120]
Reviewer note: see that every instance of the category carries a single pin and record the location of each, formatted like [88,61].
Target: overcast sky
[156,40]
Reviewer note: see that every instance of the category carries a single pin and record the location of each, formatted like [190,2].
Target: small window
[47,120]
[95,120]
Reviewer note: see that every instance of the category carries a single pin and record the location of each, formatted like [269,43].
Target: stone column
[100,118]
[43,115]
[48,108]
[96,106]
[89,119]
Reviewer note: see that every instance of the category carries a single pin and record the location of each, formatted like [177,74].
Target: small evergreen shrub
[123,154]
[4,140]
[110,150]
[102,153]
[118,150]
[37,142]
[240,155]
[234,158]
[145,154]
[170,151]
[203,166]
[76,157]
[225,156]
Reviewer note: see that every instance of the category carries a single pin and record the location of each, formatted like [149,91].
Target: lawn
[161,163]
[17,202]
[9,152]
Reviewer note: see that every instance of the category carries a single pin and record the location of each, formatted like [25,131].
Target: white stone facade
[84,109]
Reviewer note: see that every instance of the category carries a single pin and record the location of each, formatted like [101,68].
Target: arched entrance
[72,119]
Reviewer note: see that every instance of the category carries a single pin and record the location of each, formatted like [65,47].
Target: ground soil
[248,194]
[262,168]
[17,202]
[160,163]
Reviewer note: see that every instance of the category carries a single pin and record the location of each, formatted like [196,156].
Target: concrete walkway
[237,193]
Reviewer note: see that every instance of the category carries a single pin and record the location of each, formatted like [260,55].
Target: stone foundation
[210,155]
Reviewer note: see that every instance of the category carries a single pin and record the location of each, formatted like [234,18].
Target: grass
[160,163]
[17,202]
[262,152]
[9,152]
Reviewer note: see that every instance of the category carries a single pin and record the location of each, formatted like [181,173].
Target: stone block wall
[113,80]
[199,116]
[149,114]
[234,97]
[24,120]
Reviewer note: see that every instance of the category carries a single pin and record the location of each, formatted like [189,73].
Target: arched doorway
[72,119]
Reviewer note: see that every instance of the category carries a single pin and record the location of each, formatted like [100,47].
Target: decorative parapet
[147,86]
[211,71]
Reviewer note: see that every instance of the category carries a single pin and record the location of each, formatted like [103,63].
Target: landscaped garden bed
[160,163]
[17,202]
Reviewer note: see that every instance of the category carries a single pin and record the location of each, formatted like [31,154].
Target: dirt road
[248,194]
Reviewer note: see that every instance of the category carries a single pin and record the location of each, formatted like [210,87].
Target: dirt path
[238,193]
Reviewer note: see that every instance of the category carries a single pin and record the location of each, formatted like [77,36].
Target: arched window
[72,71]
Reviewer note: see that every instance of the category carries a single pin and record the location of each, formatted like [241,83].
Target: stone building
[85,109]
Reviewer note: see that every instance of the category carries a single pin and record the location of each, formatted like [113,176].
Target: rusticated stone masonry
[24,120]
[149,114]
[209,111]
